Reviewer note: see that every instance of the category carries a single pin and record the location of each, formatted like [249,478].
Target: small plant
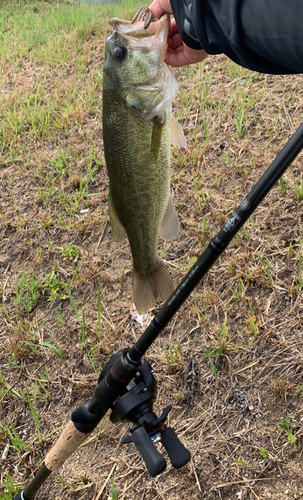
[216,355]
[52,286]
[200,195]
[266,268]
[6,389]
[178,396]
[239,292]
[300,275]
[16,442]
[239,116]
[174,358]
[35,414]
[283,185]
[115,493]
[203,229]
[82,484]
[71,252]
[81,320]
[298,189]
[286,425]
[10,488]
[201,317]
[27,292]
[99,323]
[253,325]
[240,462]
[264,453]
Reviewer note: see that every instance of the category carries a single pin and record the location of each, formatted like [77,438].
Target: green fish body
[138,90]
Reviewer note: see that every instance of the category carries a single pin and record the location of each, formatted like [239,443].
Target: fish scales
[140,186]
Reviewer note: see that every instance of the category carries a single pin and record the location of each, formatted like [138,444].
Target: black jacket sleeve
[262,35]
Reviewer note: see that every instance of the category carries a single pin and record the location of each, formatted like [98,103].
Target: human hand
[178,53]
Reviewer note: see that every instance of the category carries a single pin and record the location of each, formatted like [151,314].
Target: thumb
[193,55]
[159,7]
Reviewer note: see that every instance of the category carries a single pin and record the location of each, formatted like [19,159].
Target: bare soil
[226,404]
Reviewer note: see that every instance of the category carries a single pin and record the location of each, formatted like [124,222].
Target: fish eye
[120,53]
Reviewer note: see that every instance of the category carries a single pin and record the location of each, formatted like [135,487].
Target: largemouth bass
[138,90]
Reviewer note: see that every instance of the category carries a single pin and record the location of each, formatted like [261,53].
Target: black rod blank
[218,244]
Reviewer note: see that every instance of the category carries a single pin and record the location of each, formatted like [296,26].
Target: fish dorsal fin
[170,225]
[177,137]
[118,230]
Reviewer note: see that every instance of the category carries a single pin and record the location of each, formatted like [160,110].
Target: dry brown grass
[229,394]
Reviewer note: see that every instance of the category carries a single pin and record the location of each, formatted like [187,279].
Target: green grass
[66,286]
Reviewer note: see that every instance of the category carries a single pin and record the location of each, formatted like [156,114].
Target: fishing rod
[127,383]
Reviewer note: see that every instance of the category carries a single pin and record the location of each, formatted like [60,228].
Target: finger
[159,7]
[184,56]
[176,59]
[175,41]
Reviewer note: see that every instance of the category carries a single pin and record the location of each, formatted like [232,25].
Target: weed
[200,195]
[35,414]
[70,252]
[240,462]
[203,229]
[300,275]
[264,453]
[11,489]
[99,323]
[6,390]
[266,268]
[253,325]
[114,492]
[298,189]
[81,320]
[217,353]
[239,117]
[81,484]
[178,396]
[15,440]
[27,292]
[52,286]
[174,358]
[239,292]
[287,425]
[283,185]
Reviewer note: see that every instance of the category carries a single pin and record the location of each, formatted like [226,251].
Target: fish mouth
[150,38]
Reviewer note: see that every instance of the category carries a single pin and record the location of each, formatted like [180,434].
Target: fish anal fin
[177,137]
[170,225]
[147,287]
[118,231]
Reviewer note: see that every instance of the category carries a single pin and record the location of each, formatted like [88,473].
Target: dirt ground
[240,332]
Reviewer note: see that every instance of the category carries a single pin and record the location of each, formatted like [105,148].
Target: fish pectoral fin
[118,230]
[170,225]
[177,137]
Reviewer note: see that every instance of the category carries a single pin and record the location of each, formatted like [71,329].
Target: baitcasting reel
[136,405]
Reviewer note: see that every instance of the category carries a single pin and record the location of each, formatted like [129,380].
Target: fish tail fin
[147,287]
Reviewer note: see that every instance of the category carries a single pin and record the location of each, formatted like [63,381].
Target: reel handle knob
[154,461]
[177,452]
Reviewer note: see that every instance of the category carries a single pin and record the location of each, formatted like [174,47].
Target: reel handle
[154,461]
[177,452]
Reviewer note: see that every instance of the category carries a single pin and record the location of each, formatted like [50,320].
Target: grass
[230,361]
